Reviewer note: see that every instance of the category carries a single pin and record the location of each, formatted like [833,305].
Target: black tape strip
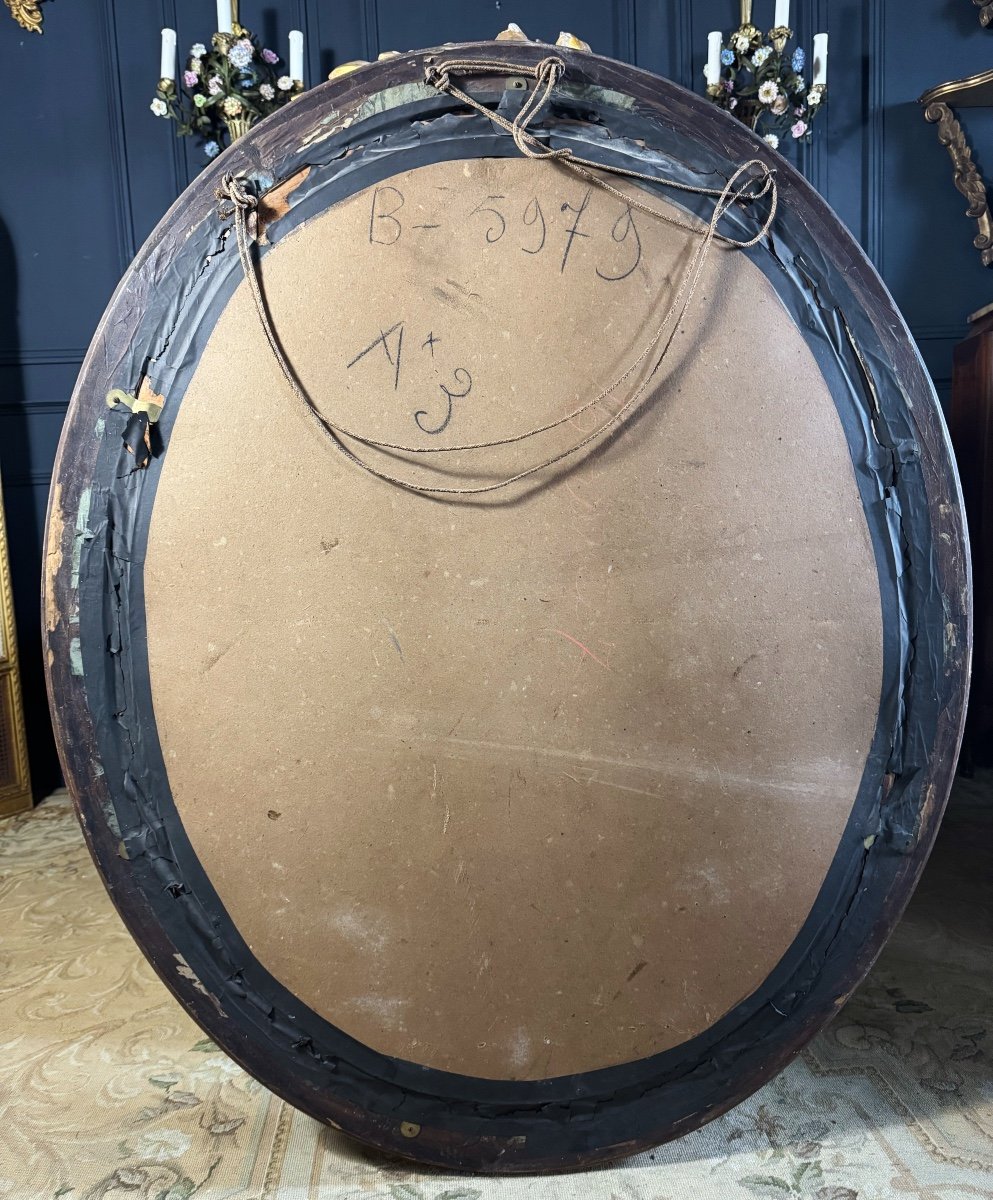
[575,1114]
[137,440]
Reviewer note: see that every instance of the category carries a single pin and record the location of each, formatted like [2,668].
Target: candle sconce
[974,92]
[227,87]
[754,78]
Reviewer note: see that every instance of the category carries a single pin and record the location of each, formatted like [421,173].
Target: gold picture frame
[15,778]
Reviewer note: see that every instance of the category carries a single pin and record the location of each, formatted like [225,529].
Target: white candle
[713,72]
[225,19]
[782,14]
[167,67]
[296,54]
[820,58]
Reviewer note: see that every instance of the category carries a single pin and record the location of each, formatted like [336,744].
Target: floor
[109,1092]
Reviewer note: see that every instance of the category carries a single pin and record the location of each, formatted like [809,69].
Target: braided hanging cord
[750,181]
[546,74]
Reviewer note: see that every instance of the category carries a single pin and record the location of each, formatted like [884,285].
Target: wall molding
[42,357]
[33,479]
[370,28]
[39,408]
[939,333]
[311,64]
[627,33]
[170,19]
[802,23]
[684,45]
[817,172]
[875,122]
[123,205]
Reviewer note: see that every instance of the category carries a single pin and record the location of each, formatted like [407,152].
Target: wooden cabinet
[970,422]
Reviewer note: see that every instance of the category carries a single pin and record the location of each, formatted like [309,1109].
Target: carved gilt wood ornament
[15,777]
[27,13]
[974,92]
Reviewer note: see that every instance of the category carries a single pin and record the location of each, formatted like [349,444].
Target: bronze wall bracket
[27,13]
[974,92]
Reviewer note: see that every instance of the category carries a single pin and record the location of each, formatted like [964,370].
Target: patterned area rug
[109,1092]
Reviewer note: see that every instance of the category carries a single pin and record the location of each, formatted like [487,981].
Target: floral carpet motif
[109,1092]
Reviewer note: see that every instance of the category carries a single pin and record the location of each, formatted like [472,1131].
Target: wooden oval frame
[493,1130]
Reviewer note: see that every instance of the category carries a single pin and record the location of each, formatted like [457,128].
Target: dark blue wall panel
[89,172]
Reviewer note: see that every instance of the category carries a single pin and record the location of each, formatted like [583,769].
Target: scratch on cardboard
[585,649]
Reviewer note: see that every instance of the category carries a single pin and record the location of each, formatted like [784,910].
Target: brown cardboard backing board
[547,782]
[361,133]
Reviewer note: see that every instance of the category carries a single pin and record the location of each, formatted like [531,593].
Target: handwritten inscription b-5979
[498,220]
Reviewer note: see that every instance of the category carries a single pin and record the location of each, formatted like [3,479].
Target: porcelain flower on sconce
[223,89]
[759,80]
